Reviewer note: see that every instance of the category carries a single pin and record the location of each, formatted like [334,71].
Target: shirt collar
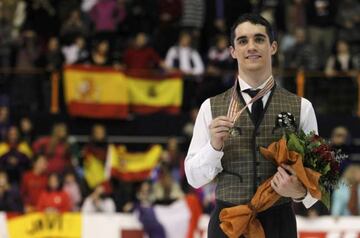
[244,86]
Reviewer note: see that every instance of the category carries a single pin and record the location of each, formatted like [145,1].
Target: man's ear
[274,47]
[232,52]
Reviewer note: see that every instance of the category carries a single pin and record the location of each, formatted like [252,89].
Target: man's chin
[253,67]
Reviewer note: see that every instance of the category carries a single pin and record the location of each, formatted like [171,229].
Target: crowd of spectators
[190,36]
[166,35]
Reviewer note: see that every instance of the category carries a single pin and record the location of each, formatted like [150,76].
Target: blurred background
[98,99]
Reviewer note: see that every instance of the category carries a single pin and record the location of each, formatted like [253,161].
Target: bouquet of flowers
[317,154]
[316,166]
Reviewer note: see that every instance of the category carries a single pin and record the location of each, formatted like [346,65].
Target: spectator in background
[142,16]
[340,69]
[219,58]
[6,41]
[215,21]
[26,130]
[166,189]
[173,158]
[56,148]
[10,200]
[33,183]
[168,24]
[65,8]
[147,216]
[76,52]
[106,15]
[19,18]
[98,201]
[54,199]
[184,58]
[96,150]
[341,139]
[348,20]
[4,117]
[299,53]
[15,155]
[100,55]
[74,26]
[24,87]
[192,19]
[140,56]
[41,17]
[53,59]
[218,77]
[72,188]
[341,61]
[320,19]
[28,50]
[345,199]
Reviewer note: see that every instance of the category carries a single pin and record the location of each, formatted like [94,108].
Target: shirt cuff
[308,200]
[213,157]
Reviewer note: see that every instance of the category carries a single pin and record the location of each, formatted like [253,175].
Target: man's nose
[251,45]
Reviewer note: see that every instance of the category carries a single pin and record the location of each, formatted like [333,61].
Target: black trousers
[278,221]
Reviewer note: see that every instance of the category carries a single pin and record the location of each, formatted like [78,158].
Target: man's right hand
[219,131]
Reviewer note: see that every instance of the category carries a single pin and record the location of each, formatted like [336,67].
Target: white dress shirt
[203,162]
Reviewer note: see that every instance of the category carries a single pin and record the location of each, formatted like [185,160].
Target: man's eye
[259,39]
[242,41]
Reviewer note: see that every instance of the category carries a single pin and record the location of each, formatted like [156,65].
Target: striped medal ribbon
[233,110]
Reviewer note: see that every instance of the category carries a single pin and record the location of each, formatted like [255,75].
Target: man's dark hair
[254,19]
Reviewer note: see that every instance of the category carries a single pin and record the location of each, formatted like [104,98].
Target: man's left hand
[288,185]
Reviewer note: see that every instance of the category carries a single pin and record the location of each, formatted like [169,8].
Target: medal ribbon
[233,112]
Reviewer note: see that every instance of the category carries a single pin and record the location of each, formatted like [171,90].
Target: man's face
[252,48]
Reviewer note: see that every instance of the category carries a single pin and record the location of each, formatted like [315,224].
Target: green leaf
[325,198]
[326,169]
[294,144]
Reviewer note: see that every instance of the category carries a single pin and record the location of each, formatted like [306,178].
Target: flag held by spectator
[129,166]
[155,93]
[94,171]
[95,92]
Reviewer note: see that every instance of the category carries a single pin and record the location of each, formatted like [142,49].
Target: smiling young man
[225,147]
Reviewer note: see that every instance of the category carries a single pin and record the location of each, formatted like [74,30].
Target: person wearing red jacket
[33,183]
[53,198]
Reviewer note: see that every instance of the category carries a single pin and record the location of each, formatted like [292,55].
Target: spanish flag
[94,171]
[130,166]
[149,93]
[95,92]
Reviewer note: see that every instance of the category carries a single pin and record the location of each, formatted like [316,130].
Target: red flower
[315,138]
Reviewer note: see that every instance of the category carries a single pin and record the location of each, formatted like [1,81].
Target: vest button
[257,133]
[257,163]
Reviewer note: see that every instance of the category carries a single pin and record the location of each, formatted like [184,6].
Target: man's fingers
[273,184]
[289,169]
[223,118]
[220,129]
[219,123]
[283,173]
[277,179]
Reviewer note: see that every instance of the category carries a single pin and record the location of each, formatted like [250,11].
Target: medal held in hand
[234,110]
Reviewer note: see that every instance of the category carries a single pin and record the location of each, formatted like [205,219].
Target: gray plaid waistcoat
[244,168]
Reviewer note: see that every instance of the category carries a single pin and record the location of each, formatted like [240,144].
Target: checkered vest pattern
[244,168]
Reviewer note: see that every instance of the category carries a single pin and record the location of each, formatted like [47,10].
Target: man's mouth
[253,57]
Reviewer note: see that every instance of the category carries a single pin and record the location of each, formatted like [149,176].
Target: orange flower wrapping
[241,219]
